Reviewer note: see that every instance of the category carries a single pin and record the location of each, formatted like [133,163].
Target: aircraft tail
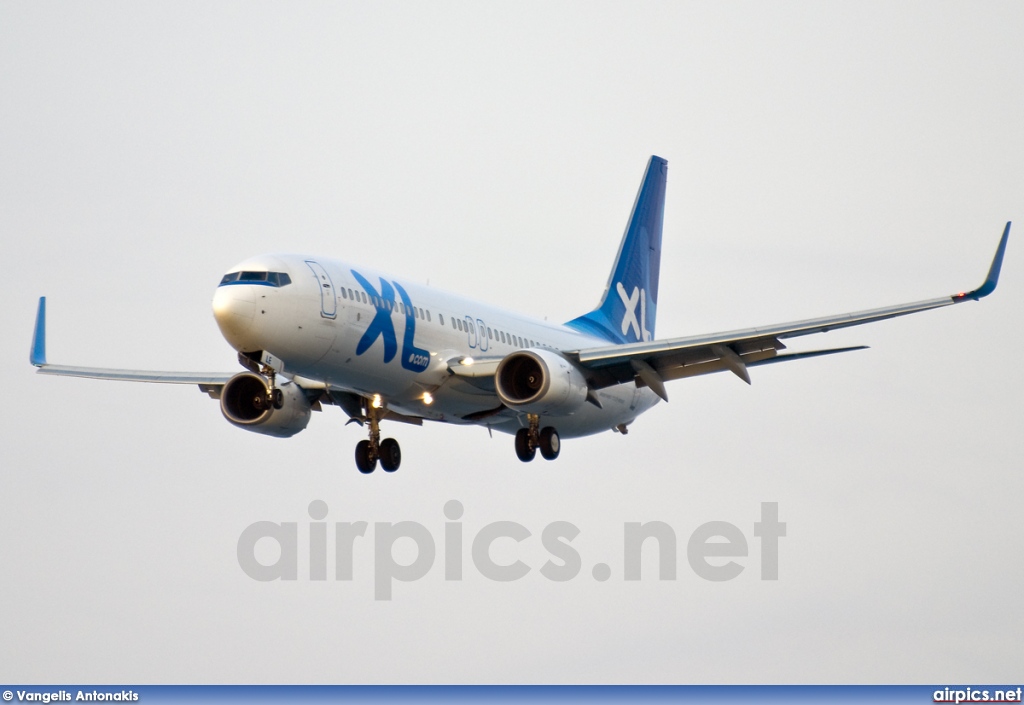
[629,304]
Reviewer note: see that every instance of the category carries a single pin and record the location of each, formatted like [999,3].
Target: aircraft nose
[234,308]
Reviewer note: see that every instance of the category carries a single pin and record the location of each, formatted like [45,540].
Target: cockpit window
[256,278]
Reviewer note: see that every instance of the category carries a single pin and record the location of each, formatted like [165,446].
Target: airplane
[311,331]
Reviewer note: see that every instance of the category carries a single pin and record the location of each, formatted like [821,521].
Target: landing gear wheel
[550,443]
[390,455]
[524,449]
[277,397]
[364,460]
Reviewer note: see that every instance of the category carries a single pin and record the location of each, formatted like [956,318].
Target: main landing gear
[368,452]
[528,440]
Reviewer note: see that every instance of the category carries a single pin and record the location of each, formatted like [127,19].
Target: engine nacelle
[243,401]
[540,381]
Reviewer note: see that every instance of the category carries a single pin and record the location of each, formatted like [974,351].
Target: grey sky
[822,157]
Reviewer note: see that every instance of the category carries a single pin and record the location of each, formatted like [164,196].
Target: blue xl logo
[413,358]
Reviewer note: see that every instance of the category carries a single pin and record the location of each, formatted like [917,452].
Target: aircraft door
[328,298]
[481,335]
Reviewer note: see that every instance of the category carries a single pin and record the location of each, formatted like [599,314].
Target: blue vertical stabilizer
[629,305]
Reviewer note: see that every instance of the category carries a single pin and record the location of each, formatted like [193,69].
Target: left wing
[652,364]
[38,358]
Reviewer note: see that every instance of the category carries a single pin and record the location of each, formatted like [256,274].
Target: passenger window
[344,295]
[489,337]
[440,318]
[428,317]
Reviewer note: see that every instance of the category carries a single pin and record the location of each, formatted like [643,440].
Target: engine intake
[540,381]
[245,402]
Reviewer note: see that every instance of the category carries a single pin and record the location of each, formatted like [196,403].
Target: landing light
[428,398]
[376,403]
[467,361]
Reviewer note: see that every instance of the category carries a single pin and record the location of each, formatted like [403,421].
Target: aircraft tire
[523,450]
[550,443]
[364,462]
[390,454]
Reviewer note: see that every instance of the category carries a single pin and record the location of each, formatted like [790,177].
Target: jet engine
[246,402]
[539,381]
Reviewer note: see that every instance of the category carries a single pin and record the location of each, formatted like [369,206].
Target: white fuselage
[361,331]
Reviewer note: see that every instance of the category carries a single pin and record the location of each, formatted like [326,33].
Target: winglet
[38,355]
[993,273]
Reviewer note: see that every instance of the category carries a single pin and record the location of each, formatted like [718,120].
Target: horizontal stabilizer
[805,355]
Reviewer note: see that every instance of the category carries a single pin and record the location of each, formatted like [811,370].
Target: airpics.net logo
[269,551]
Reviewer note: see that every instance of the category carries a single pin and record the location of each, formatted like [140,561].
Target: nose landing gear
[528,440]
[368,452]
[272,397]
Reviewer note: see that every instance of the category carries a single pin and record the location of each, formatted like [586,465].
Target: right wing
[656,362]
